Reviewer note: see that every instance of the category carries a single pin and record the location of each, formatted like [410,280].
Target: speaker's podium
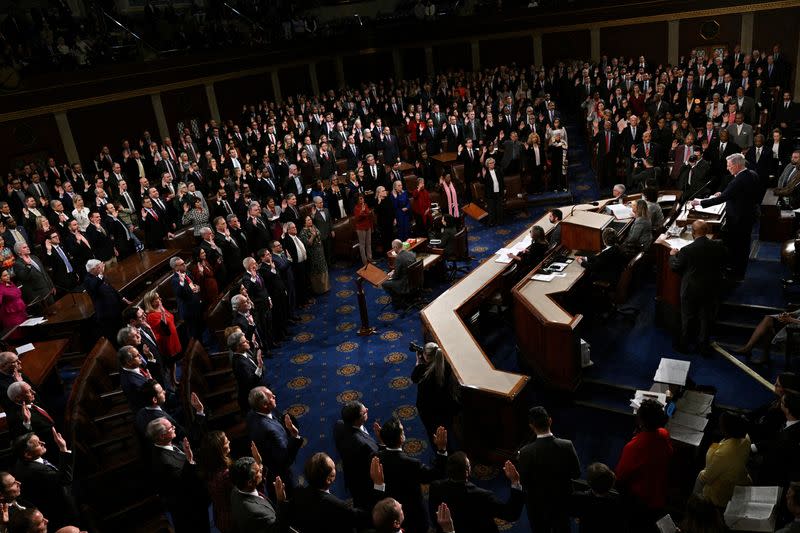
[583,230]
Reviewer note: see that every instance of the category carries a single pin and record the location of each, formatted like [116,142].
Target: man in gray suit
[741,133]
[37,287]
[397,284]
[251,510]
[746,105]
[322,220]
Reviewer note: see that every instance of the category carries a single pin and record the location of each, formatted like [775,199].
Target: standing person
[108,303]
[13,310]
[437,389]
[700,264]
[203,274]
[401,210]
[741,198]
[162,324]
[397,284]
[37,287]
[187,293]
[547,467]
[494,189]
[324,223]
[556,153]
[317,267]
[726,461]
[384,211]
[364,224]
[643,467]
[421,207]
[298,256]
[215,469]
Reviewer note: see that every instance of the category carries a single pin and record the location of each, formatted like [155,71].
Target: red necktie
[43,413]
[608,142]
[145,373]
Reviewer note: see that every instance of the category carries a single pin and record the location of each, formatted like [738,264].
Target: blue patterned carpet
[327,363]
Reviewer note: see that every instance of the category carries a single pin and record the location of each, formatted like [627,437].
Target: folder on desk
[672,371]
[753,508]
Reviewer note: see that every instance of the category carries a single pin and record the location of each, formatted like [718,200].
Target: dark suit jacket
[278,450]
[356,449]
[324,225]
[48,488]
[102,245]
[547,467]
[700,263]
[607,265]
[473,509]
[180,489]
[189,308]
[116,229]
[255,514]
[742,195]
[131,384]
[107,301]
[763,167]
[317,510]
[58,269]
[244,368]
[488,187]
[403,475]
[36,284]
[781,464]
[258,234]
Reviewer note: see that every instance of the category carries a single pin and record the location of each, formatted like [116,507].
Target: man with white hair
[187,294]
[25,414]
[494,190]
[322,220]
[108,303]
[37,287]
[397,284]
[741,197]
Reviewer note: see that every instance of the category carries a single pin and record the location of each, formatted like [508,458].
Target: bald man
[700,263]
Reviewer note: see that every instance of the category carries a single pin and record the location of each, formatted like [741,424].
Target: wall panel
[413,63]
[517,50]
[183,106]
[730,33]
[31,139]
[232,94]
[372,67]
[778,26]
[452,56]
[108,124]
[326,75]
[649,40]
[565,45]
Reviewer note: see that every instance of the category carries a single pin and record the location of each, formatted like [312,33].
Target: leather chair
[460,254]
[500,301]
[478,194]
[514,189]
[345,243]
[618,295]
[416,282]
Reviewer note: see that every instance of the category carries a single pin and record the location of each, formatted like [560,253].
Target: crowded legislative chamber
[399,266]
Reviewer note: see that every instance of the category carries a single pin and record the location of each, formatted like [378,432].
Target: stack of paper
[712,210]
[642,395]
[543,277]
[666,198]
[672,371]
[666,525]
[695,403]
[620,211]
[752,508]
[678,243]
[34,321]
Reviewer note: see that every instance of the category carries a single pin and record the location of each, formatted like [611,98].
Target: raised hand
[376,471]
[444,519]
[60,442]
[187,450]
[255,453]
[440,439]
[26,414]
[197,405]
[290,427]
[511,472]
[280,489]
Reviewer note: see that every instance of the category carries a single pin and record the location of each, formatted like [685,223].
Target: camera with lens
[416,348]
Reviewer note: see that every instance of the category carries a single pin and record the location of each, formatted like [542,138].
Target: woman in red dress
[162,322]
[421,207]
[203,275]
[12,308]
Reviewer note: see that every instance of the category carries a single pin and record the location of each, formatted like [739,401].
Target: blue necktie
[63,257]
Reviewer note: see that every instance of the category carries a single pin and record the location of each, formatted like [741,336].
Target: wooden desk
[583,230]
[774,226]
[687,216]
[131,274]
[419,245]
[39,363]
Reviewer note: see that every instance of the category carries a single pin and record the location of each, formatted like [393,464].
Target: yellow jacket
[726,467]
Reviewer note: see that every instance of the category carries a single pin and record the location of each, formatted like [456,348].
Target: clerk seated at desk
[789,180]
[607,265]
[535,253]
[641,234]
[447,234]
[397,284]
[556,216]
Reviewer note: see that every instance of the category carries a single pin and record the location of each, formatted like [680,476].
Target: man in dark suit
[108,303]
[47,486]
[607,265]
[187,295]
[176,479]
[473,509]
[431,137]
[454,134]
[155,225]
[314,508]
[154,396]
[680,155]
[133,374]
[785,114]
[781,465]
[404,474]
[356,447]
[125,242]
[327,162]
[100,240]
[247,365]
[277,438]
[759,160]
[778,156]
[742,195]
[631,137]
[10,372]
[10,492]
[231,253]
[352,153]
[24,415]
[607,150]
[700,264]
[694,176]
[391,146]
[494,191]
[255,229]
[397,284]
[251,510]
[37,287]
[471,159]
[60,264]
[299,259]
[324,223]
[547,467]
[512,153]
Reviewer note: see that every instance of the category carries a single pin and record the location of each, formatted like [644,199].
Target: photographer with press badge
[437,389]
